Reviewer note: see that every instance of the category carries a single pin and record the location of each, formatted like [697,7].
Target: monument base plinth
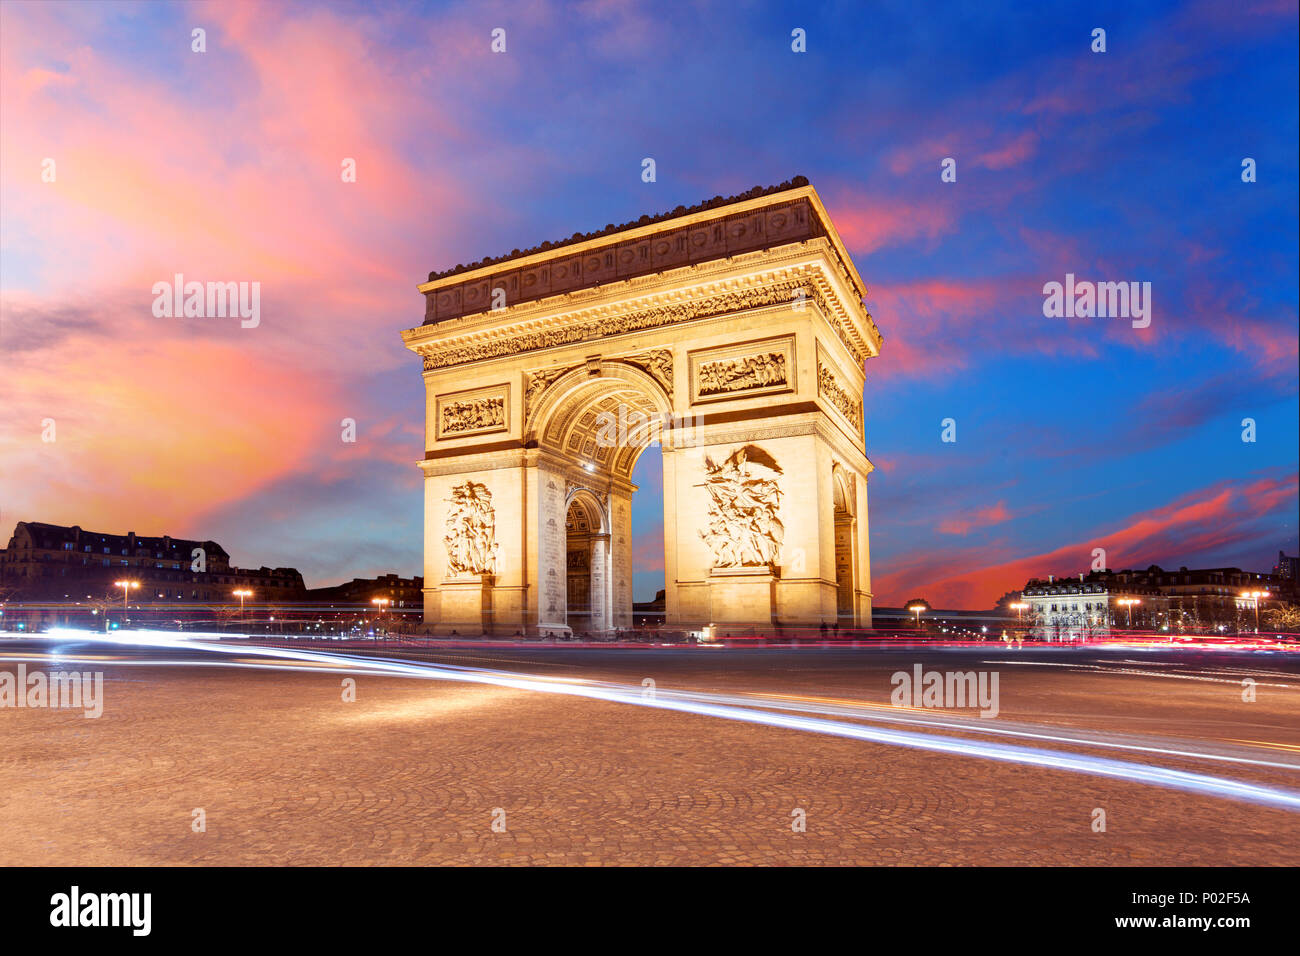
[467,604]
[743,596]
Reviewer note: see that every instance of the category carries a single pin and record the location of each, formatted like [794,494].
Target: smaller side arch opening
[586,564]
[845,566]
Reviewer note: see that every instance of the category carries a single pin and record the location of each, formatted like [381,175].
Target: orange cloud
[152,431]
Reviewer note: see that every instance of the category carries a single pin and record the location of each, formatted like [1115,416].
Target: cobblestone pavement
[286,772]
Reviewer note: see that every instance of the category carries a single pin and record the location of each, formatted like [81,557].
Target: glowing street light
[1018,607]
[1129,602]
[917,609]
[241,593]
[126,587]
[381,603]
[1255,596]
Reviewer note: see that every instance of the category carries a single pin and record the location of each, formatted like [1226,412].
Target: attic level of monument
[611,229]
[719,229]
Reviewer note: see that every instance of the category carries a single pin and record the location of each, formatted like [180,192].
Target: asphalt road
[577,760]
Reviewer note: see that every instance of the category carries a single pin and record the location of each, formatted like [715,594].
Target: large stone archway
[733,335]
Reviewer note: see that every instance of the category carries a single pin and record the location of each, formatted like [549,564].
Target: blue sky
[1071,433]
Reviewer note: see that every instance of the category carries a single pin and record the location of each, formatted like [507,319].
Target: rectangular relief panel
[833,385]
[760,367]
[478,411]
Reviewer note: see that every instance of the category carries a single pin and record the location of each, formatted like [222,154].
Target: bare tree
[1285,618]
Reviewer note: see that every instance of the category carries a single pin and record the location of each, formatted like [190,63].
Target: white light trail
[1222,787]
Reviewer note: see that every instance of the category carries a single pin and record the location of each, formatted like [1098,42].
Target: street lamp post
[917,609]
[1129,602]
[242,593]
[1020,607]
[1255,596]
[126,587]
[381,603]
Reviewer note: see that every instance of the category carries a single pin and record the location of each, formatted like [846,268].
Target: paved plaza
[287,772]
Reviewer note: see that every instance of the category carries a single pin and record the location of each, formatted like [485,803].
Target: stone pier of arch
[731,335]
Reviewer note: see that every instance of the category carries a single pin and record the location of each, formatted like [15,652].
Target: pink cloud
[934,327]
[1010,154]
[867,222]
[901,160]
[163,419]
[1203,521]
[980,518]
[648,551]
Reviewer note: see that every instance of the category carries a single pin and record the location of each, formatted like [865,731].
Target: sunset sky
[1072,434]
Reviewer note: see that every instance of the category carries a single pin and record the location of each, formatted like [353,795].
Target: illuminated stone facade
[733,335]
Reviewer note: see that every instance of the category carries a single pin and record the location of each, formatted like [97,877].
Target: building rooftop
[1150,577]
[55,535]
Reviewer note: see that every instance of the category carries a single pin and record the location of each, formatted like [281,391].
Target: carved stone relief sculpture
[848,406]
[744,530]
[473,415]
[471,530]
[659,363]
[463,350]
[738,374]
[538,382]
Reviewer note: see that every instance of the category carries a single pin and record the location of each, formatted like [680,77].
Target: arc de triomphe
[733,334]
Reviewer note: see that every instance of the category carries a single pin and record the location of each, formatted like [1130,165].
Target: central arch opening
[593,425]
